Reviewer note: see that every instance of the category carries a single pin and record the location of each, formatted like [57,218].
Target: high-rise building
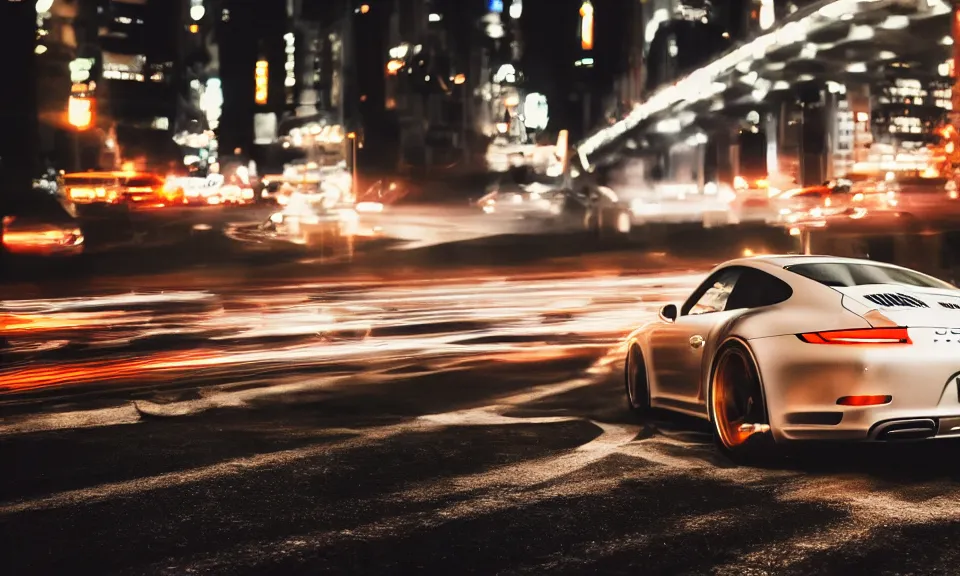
[140,62]
[681,41]
[109,80]
[429,81]
[630,85]
[316,100]
[239,49]
[18,106]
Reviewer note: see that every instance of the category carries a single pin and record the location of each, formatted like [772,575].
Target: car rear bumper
[803,385]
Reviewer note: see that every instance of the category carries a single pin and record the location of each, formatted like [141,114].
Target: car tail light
[875,400]
[896,335]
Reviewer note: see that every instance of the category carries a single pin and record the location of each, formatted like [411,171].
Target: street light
[261,72]
[586,25]
[352,136]
[80,116]
[394,66]
[80,112]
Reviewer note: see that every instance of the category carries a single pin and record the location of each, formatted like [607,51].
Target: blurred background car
[852,193]
[42,223]
[133,189]
[522,193]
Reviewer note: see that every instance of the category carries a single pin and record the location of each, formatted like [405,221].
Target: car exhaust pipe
[917,429]
[754,428]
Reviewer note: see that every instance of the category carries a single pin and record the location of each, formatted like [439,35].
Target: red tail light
[864,400]
[858,336]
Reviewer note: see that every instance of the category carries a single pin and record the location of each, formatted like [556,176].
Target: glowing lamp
[586,25]
[80,112]
[260,82]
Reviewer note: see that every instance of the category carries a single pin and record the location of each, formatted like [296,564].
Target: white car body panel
[802,382]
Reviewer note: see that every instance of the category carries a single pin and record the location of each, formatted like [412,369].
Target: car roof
[117,174]
[784,260]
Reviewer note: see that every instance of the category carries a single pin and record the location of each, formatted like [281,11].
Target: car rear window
[847,274]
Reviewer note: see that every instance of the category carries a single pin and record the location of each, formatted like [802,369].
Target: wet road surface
[471,425]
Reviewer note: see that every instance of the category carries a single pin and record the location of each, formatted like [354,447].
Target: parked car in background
[843,195]
[42,222]
[133,189]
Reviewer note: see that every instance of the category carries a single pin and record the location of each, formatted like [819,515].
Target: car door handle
[696,341]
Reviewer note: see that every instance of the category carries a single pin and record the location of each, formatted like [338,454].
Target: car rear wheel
[635,376]
[737,406]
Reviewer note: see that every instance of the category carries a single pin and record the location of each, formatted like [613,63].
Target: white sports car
[783,348]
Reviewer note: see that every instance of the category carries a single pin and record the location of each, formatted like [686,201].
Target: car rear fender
[798,317]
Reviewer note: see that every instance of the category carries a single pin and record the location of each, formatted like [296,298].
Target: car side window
[755,289]
[713,294]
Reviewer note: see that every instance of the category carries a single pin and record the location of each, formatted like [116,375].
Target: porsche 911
[776,349]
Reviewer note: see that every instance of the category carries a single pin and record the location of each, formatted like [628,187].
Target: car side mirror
[669,313]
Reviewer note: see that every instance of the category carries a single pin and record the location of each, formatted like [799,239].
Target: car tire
[737,398]
[635,382]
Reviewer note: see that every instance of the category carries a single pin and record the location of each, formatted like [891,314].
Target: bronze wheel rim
[736,397]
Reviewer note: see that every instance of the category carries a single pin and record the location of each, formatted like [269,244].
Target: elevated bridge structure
[825,88]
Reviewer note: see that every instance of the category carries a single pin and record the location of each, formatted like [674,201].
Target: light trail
[153,338]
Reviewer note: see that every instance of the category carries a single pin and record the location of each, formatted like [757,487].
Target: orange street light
[260,82]
[80,112]
[586,25]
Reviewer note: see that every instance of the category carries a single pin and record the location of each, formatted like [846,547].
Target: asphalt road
[441,426]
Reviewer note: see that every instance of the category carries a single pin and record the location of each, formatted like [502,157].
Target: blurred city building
[283,82]
[433,82]
[109,79]
[18,105]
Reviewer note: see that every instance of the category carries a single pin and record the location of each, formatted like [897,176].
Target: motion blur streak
[482,416]
[145,338]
